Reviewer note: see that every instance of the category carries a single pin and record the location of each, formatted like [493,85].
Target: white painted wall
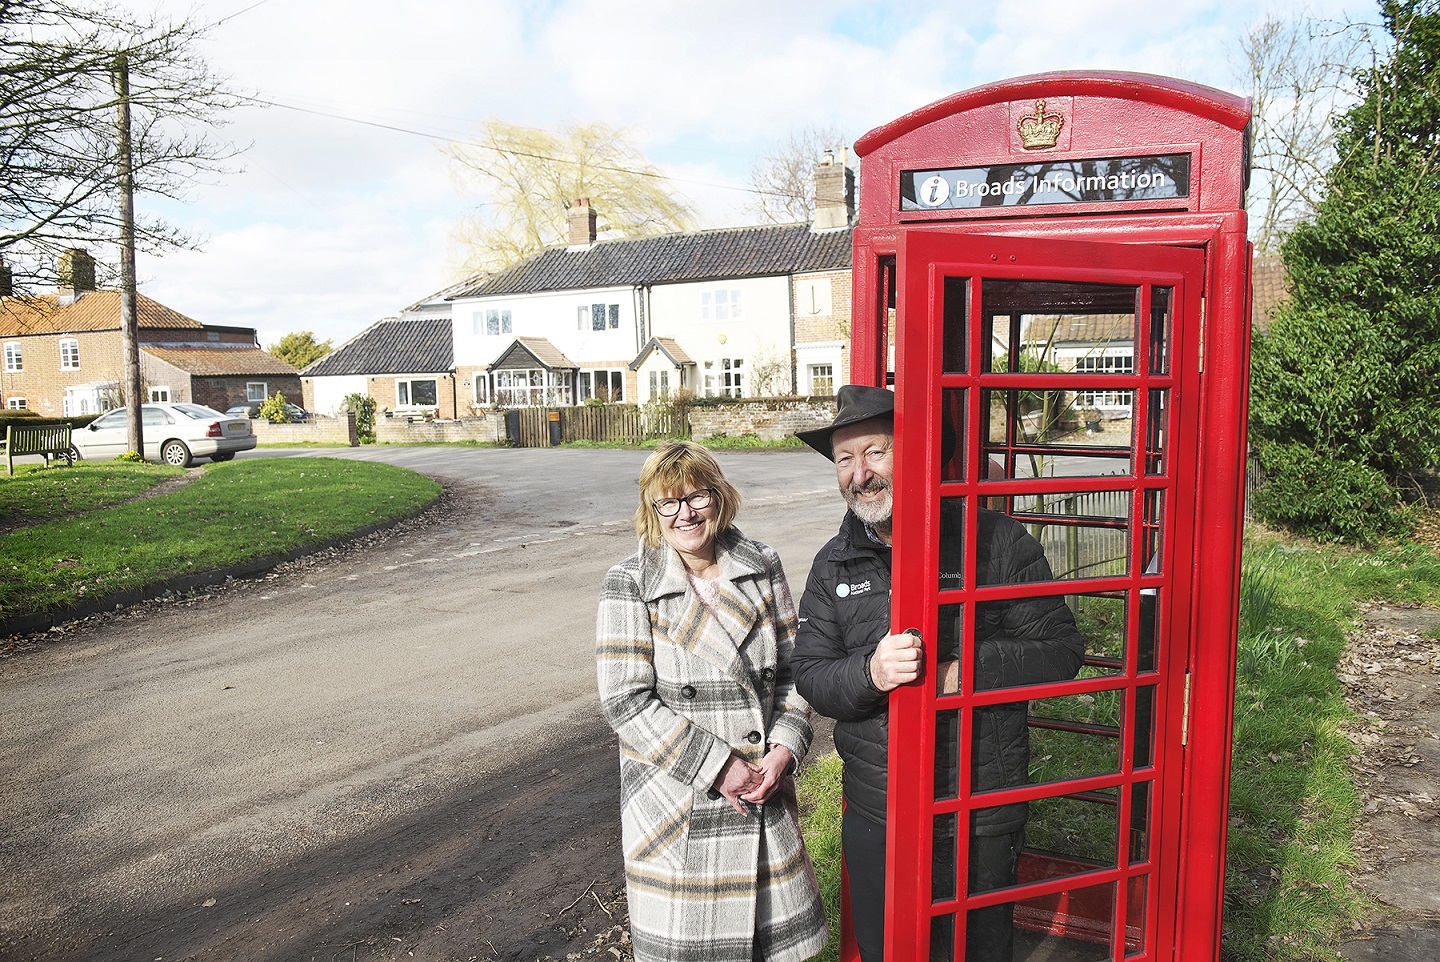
[760,332]
[553,316]
[330,391]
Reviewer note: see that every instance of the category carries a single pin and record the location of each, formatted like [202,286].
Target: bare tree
[59,176]
[528,177]
[1299,73]
[784,178]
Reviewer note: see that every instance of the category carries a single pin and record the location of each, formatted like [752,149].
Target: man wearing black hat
[846,662]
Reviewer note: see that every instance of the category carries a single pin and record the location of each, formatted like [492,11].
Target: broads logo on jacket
[843,590]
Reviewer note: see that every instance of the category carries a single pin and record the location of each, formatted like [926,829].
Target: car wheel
[74,453]
[176,453]
[227,456]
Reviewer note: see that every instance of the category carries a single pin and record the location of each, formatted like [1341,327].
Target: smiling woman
[692,652]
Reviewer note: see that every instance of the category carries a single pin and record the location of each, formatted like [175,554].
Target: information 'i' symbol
[934,191]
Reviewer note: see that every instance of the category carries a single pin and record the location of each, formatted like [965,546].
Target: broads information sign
[1094,181]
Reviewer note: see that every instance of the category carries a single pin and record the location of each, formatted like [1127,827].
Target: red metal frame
[1197,246]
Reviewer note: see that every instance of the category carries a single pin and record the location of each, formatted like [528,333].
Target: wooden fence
[543,427]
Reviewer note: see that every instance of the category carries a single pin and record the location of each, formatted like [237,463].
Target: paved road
[393,752]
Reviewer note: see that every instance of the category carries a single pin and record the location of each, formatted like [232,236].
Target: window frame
[14,357]
[732,378]
[711,309]
[250,387]
[408,384]
[813,375]
[69,354]
[612,376]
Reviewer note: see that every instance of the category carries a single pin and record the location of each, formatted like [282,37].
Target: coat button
[688,691]
[754,738]
[768,673]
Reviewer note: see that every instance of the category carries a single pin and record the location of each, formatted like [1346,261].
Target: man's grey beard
[873,513]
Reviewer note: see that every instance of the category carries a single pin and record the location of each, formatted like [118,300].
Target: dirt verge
[1391,674]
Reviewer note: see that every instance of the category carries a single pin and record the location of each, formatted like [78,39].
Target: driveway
[392,752]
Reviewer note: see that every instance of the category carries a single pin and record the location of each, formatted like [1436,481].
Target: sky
[341,209]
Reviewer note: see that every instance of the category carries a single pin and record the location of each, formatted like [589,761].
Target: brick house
[63,353]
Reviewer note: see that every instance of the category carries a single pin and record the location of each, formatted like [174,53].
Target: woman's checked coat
[684,688]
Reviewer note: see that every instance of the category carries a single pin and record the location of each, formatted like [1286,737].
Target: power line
[259,3]
[518,153]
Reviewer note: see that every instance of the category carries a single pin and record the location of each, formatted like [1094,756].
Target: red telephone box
[1053,273]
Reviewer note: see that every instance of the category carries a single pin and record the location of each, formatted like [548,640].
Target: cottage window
[16,404]
[659,384]
[69,354]
[599,317]
[419,392]
[732,377]
[608,385]
[13,360]
[497,322]
[720,305]
[1109,364]
[822,380]
[160,394]
[256,391]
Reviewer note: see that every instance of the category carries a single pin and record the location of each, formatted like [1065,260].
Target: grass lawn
[1293,802]
[92,540]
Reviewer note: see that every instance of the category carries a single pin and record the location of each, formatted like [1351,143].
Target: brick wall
[770,419]
[225,392]
[328,431]
[489,427]
[42,383]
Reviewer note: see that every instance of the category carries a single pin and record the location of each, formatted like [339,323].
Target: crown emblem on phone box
[1039,130]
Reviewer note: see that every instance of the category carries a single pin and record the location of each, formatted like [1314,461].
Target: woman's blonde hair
[678,466]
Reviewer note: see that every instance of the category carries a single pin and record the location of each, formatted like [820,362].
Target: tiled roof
[703,255]
[539,348]
[1081,328]
[417,345]
[94,311]
[666,346]
[212,361]
[1268,280]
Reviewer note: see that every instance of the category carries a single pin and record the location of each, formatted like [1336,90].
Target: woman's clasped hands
[739,781]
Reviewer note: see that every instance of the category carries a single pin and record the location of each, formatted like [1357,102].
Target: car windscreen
[198,412]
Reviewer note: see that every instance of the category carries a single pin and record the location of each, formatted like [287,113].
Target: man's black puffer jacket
[845,611]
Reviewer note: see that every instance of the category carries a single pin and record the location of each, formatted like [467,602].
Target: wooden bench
[51,440]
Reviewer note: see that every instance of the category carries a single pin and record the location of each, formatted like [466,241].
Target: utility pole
[129,326]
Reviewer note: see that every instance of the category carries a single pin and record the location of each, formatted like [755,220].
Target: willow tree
[526,178]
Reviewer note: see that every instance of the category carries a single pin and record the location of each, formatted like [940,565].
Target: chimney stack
[7,282]
[77,273]
[834,192]
[580,219]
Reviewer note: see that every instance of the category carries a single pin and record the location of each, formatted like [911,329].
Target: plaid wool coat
[684,688]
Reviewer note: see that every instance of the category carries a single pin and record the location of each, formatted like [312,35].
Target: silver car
[174,433]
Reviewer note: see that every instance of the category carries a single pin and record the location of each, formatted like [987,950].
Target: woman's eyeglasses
[698,501]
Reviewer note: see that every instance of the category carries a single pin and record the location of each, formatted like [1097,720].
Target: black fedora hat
[854,403]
